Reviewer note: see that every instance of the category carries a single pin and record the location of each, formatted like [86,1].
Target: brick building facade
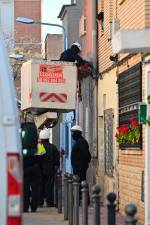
[28,36]
[123,172]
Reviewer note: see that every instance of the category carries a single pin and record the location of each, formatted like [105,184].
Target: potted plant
[128,133]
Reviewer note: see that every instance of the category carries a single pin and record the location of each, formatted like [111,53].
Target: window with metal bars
[130,94]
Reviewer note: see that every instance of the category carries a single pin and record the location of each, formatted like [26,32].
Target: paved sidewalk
[49,216]
[45,216]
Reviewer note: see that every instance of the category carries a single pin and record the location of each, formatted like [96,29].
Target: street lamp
[31,21]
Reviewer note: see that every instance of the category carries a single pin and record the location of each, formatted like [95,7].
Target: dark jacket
[29,158]
[50,160]
[72,55]
[29,144]
[29,135]
[80,155]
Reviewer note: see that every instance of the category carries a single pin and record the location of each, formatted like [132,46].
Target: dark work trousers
[81,172]
[47,190]
[32,179]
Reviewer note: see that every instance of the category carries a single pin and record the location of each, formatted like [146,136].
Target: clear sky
[50,11]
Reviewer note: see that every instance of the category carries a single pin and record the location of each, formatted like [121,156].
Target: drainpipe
[94,33]
[95,88]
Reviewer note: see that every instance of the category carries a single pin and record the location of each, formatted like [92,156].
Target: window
[130,94]
[130,89]
[100,18]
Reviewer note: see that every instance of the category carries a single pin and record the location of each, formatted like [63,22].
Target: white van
[10,148]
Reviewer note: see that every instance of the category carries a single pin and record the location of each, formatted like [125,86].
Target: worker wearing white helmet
[77,45]
[49,164]
[44,134]
[72,54]
[80,155]
[76,128]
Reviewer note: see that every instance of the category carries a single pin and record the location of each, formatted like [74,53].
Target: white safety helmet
[76,128]
[77,44]
[44,134]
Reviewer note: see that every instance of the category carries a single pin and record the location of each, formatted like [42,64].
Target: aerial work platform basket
[48,86]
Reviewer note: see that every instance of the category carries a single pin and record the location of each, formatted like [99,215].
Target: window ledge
[132,151]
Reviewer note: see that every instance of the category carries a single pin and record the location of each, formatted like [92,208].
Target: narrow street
[49,216]
[45,216]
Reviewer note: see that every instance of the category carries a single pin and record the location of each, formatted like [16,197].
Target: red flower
[134,123]
[128,133]
[119,129]
[124,130]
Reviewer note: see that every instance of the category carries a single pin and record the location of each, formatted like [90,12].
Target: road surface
[45,216]
[50,216]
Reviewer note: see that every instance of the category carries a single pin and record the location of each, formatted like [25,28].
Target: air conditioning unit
[114,26]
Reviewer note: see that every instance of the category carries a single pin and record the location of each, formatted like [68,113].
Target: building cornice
[64,10]
[116,64]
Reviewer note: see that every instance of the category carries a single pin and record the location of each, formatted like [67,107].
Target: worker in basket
[73,55]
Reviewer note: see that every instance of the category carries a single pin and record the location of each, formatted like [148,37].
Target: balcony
[131,41]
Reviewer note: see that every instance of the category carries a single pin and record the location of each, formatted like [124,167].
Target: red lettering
[51,74]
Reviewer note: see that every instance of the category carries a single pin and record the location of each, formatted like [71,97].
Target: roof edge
[63,10]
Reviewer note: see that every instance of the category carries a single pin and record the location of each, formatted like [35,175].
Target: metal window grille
[108,141]
[130,86]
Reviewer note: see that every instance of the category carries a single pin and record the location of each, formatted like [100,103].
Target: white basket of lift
[48,86]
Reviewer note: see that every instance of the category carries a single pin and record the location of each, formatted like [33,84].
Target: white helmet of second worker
[77,45]
[76,128]
[44,134]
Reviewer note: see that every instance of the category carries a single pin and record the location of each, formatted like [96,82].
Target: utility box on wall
[142,113]
[48,86]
